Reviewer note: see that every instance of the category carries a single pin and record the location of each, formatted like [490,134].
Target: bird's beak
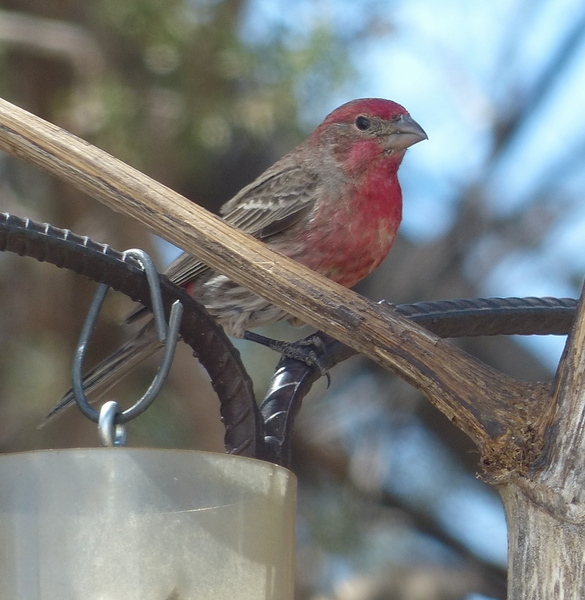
[403,132]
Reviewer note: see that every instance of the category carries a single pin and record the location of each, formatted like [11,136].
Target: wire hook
[168,334]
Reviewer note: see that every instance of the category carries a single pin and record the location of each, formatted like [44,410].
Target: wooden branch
[493,409]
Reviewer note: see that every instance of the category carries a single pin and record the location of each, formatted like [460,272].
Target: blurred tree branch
[50,37]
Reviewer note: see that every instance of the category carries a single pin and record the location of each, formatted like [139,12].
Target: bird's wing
[275,201]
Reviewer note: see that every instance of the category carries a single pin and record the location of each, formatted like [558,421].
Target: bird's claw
[307,350]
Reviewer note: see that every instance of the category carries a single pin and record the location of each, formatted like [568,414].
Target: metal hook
[155,295]
[169,335]
[110,433]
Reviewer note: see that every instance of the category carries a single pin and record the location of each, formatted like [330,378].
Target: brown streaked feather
[277,200]
[274,202]
[283,223]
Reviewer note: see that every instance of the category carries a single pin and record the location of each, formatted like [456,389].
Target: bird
[333,203]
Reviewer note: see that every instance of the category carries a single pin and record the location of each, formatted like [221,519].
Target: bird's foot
[308,350]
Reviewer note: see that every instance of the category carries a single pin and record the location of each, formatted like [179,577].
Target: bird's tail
[111,370]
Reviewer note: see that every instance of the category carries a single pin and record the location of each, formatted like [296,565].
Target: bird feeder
[115,523]
[144,524]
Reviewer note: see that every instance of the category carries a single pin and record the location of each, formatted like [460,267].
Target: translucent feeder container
[145,524]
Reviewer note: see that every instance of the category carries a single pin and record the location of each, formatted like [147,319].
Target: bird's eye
[362,123]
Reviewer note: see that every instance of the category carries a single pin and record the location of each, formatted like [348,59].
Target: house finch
[333,204]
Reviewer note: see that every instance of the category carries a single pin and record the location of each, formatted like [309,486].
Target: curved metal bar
[294,378]
[101,263]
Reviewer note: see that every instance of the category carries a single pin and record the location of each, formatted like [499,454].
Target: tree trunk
[544,510]
[545,547]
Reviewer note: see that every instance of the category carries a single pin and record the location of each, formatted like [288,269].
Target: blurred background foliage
[203,95]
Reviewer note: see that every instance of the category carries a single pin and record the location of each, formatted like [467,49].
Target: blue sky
[452,68]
